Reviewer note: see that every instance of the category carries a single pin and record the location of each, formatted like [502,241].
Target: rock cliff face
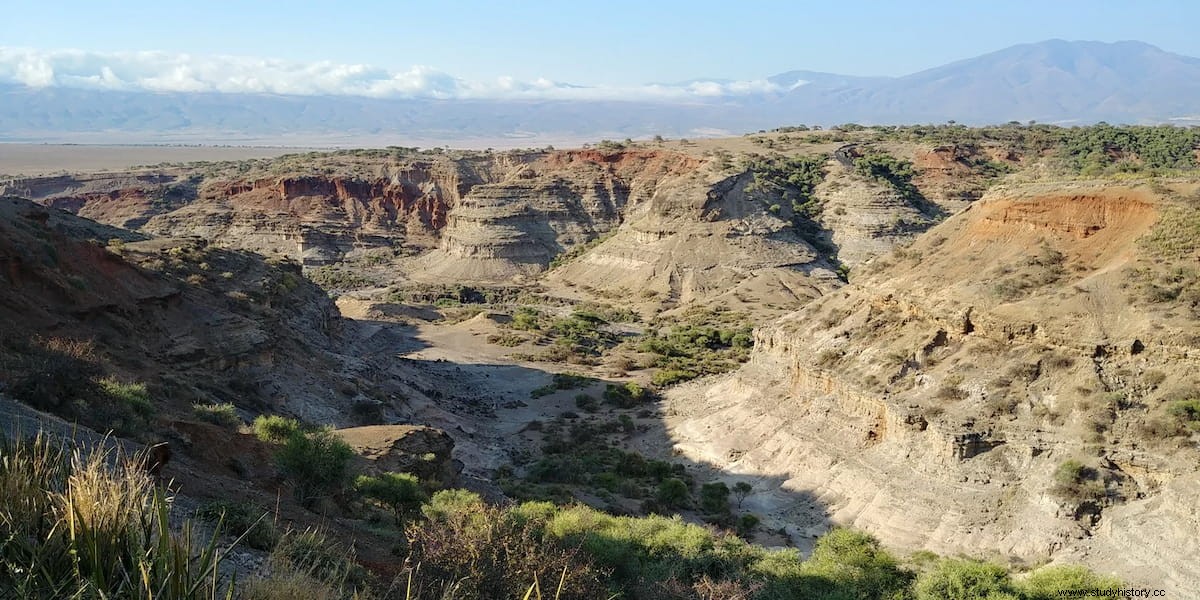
[676,228]
[934,401]
[210,324]
[321,219]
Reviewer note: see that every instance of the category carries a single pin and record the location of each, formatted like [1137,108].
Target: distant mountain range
[1052,82]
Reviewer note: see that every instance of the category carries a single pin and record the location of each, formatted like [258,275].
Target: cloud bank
[166,72]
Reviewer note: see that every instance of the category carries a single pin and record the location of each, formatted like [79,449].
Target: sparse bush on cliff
[1186,411]
[274,428]
[223,415]
[1075,481]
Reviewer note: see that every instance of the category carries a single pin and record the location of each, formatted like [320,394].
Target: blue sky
[614,42]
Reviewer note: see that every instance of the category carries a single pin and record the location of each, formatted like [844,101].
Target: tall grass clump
[93,526]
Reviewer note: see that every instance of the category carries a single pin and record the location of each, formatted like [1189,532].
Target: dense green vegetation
[400,492]
[586,456]
[1100,149]
[314,459]
[580,337]
[663,557]
[792,178]
[704,343]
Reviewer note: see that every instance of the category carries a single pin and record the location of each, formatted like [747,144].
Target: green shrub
[586,403]
[275,429]
[966,580]
[746,524]
[627,395]
[1075,481]
[526,319]
[562,381]
[1049,583]
[401,492]
[131,395]
[1186,411]
[570,381]
[445,504]
[714,497]
[673,493]
[489,552]
[668,377]
[852,564]
[317,463]
[224,415]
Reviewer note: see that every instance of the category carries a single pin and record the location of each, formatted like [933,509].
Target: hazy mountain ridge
[1051,81]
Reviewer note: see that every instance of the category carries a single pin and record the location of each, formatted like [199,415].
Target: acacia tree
[400,492]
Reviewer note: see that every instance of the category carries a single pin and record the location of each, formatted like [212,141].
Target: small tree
[316,462]
[741,489]
[400,492]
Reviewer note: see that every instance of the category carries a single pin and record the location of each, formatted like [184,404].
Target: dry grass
[92,526]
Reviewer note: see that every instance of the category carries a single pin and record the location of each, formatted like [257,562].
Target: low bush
[627,395]
[1075,481]
[224,415]
[966,580]
[1050,583]
[126,407]
[1186,412]
[317,463]
[275,429]
[562,381]
[714,497]
[673,493]
[587,403]
[852,564]
[489,552]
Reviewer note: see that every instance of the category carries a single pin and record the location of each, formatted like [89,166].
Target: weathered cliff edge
[930,404]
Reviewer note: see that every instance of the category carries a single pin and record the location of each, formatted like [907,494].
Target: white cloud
[165,72]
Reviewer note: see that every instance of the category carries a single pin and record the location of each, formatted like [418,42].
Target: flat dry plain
[45,159]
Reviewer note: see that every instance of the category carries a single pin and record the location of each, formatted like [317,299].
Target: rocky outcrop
[422,451]
[214,325]
[866,218]
[702,240]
